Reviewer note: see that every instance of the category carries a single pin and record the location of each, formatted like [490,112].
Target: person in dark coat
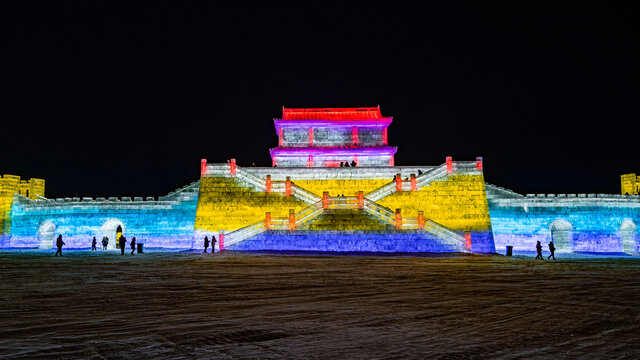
[93,244]
[213,244]
[539,250]
[353,163]
[59,244]
[105,242]
[133,245]
[552,248]
[121,242]
[206,243]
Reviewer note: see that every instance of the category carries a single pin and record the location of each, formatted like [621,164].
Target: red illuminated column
[267,220]
[232,167]
[391,163]
[268,183]
[467,238]
[385,140]
[292,219]
[310,160]
[414,187]
[360,200]
[479,163]
[355,159]
[221,240]
[420,220]
[287,187]
[203,167]
[354,134]
[280,132]
[398,219]
[310,137]
[449,164]
[325,199]
[273,162]
[398,182]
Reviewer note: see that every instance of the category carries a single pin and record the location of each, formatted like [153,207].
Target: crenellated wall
[167,222]
[10,185]
[597,223]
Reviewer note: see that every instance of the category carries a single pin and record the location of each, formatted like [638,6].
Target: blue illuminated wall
[599,223]
[167,222]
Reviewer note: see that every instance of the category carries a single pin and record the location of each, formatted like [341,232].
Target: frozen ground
[233,305]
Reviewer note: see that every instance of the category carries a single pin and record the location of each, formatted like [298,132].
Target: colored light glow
[203,167]
[310,160]
[318,151]
[268,184]
[449,164]
[398,219]
[232,167]
[292,220]
[267,220]
[280,133]
[356,113]
[398,182]
[355,159]
[479,163]
[413,183]
[354,135]
[221,241]
[310,137]
[420,220]
[467,238]
[385,138]
[288,186]
[360,199]
[391,162]
[325,200]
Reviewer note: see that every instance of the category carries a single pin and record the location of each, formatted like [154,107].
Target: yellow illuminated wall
[346,220]
[9,185]
[225,205]
[458,203]
[340,187]
[629,184]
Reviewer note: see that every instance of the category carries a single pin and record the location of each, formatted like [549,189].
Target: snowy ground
[234,305]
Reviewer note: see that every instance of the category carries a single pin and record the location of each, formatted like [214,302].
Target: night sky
[102,99]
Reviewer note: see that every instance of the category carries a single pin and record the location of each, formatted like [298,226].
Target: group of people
[122,241]
[346,164]
[552,249]
[105,242]
[212,242]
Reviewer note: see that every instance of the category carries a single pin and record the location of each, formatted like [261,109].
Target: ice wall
[576,222]
[167,222]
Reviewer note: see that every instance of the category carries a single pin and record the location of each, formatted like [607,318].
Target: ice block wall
[167,222]
[599,223]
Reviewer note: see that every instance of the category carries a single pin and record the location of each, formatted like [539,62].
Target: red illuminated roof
[359,113]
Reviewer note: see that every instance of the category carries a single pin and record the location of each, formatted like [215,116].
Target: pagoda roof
[355,113]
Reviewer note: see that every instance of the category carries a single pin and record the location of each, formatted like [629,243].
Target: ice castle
[333,187]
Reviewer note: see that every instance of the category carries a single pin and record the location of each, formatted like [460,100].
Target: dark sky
[108,99]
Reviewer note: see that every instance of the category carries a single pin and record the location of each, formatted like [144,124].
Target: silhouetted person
[342,165]
[133,245]
[552,249]
[419,172]
[105,242]
[213,244]
[353,163]
[59,244]
[539,250]
[206,244]
[121,242]
[93,244]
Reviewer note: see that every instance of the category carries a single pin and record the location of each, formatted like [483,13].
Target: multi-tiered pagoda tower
[325,137]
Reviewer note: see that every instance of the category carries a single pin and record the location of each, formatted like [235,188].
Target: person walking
[539,250]
[59,244]
[121,242]
[552,248]
[213,244]
[133,245]
[93,244]
[105,241]
[206,244]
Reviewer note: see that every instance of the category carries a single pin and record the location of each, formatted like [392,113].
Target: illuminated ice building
[307,201]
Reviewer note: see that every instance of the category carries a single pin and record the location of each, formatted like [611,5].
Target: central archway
[562,235]
[112,229]
[629,234]
[46,235]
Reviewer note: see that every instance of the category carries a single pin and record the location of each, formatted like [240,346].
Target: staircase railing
[421,180]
